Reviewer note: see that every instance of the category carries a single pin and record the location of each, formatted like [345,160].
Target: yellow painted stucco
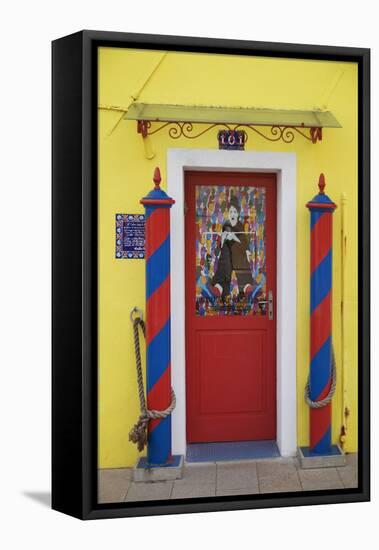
[125,175]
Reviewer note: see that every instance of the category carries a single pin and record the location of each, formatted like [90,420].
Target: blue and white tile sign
[130,236]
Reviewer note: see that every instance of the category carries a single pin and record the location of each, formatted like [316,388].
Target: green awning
[231,115]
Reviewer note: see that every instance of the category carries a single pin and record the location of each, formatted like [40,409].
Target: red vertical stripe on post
[158,310]
[321,324]
[157,229]
[320,239]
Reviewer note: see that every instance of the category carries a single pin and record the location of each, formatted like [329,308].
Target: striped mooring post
[158,331]
[321,208]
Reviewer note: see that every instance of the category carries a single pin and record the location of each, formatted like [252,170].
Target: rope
[138,434]
[328,398]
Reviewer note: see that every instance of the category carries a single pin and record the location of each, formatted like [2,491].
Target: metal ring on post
[138,311]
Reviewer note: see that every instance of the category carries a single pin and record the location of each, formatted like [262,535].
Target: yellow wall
[125,175]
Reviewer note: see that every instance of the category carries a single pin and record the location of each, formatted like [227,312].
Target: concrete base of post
[143,472]
[308,459]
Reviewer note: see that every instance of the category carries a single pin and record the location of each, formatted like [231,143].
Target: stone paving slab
[320,478]
[113,484]
[158,490]
[198,474]
[275,469]
[352,459]
[181,490]
[278,476]
[242,476]
[348,476]
[250,490]
[278,484]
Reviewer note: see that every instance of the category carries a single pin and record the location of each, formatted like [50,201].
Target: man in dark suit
[234,247]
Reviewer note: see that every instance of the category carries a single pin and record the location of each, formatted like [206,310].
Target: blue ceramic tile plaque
[232,139]
[130,236]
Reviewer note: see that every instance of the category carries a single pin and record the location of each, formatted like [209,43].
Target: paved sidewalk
[228,478]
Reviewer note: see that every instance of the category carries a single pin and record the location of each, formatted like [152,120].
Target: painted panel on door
[230,250]
[230,258]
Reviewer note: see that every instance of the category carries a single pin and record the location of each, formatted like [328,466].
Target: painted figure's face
[233,215]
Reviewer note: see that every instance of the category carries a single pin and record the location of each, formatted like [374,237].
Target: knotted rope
[328,398]
[138,434]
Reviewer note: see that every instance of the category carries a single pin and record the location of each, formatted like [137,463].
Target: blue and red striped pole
[158,331]
[320,379]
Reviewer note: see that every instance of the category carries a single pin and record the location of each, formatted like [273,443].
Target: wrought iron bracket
[275,133]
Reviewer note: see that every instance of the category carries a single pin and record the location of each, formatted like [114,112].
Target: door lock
[270,303]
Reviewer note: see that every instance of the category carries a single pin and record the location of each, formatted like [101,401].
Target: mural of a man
[234,250]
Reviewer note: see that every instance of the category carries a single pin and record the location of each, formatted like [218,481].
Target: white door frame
[284,164]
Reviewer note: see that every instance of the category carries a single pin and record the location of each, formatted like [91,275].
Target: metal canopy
[229,115]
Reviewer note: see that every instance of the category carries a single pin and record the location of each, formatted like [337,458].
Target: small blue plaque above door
[232,139]
[130,236]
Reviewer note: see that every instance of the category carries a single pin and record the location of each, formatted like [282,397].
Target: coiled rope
[328,398]
[138,434]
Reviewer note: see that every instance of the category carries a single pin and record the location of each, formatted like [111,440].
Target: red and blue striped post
[158,331]
[320,379]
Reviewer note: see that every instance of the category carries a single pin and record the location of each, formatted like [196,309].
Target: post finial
[157,177]
[321,183]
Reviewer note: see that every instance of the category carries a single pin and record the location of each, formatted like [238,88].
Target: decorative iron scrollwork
[177,130]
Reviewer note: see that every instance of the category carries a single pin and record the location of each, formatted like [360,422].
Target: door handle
[270,303]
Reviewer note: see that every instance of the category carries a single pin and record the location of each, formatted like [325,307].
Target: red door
[230,262]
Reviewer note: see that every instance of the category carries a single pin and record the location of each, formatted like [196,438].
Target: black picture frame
[74,273]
